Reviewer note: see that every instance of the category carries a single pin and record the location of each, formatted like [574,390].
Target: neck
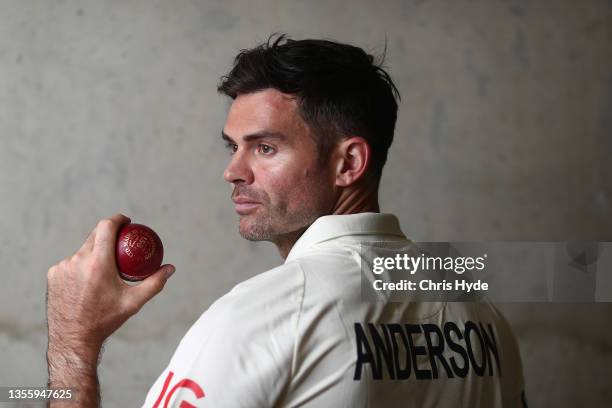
[350,201]
[285,242]
[357,200]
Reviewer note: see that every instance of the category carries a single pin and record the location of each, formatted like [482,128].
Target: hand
[87,300]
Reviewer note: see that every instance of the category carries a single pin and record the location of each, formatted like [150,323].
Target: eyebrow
[256,136]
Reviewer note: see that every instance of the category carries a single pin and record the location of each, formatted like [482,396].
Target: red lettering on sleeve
[184,383]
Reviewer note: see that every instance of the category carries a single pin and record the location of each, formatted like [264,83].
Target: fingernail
[169,271]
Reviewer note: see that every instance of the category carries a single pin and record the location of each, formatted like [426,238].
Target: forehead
[266,110]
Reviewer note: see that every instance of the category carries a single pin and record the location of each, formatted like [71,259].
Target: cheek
[288,187]
[306,187]
[293,182]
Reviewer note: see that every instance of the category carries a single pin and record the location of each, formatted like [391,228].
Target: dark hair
[340,90]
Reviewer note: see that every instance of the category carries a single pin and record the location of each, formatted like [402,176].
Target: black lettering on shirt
[400,352]
[456,347]
[364,354]
[491,345]
[470,328]
[436,351]
[427,351]
[383,348]
[416,351]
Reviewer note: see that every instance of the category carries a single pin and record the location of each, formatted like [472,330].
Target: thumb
[151,286]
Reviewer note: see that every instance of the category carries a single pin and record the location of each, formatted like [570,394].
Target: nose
[238,170]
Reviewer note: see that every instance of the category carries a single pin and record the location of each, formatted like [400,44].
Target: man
[308,132]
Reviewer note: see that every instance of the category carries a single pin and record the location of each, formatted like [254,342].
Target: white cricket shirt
[300,335]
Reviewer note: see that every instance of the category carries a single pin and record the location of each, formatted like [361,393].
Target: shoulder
[255,321]
[247,336]
[331,274]
[320,271]
[276,292]
[276,304]
[277,285]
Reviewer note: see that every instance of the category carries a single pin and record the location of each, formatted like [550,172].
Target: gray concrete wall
[504,133]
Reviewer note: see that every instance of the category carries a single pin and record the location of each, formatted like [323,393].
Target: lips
[244,205]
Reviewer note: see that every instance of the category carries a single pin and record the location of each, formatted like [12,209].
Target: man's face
[279,186]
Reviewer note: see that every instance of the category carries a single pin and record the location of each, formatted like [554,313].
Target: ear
[354,155]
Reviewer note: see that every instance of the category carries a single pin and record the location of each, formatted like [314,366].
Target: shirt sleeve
[239,353]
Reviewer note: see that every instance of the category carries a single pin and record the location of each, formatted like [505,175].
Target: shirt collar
[330,227]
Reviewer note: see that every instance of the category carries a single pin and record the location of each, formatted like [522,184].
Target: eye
[265,149]
[232,147]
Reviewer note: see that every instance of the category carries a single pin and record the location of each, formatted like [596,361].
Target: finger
[151,286]
[89,242]
[106,234]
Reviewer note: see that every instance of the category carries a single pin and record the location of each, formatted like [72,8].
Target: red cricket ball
[139,252]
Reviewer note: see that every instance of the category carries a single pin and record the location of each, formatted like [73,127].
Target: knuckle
[156,288]
[156,284]
[81,256]
[77,257]
[159,285]
[130,306]
[95,266]
[104,223]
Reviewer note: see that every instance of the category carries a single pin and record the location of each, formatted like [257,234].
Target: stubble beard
[272,225]
[276,221]
[256,229]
